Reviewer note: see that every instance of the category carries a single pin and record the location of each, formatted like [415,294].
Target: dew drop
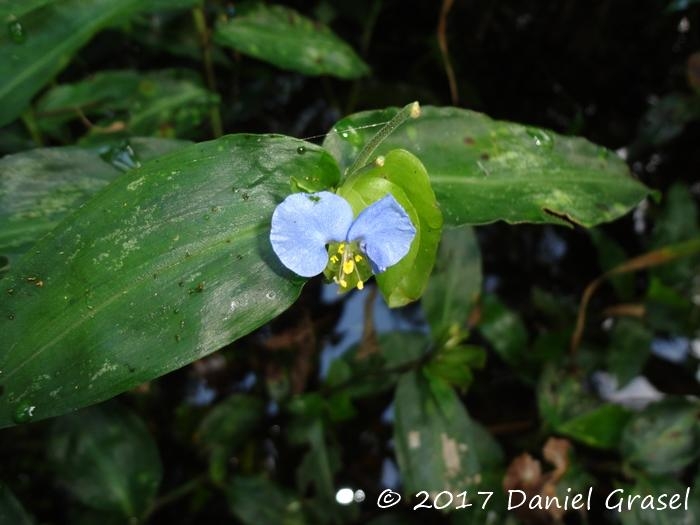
[121,156]
[24,413]
[16,32]
[301,150]
[541,138]
[270,295]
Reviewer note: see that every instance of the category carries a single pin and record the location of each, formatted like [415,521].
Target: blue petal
[302,225]
[384,231]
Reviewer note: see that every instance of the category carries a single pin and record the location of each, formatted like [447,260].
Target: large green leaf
[483,170]
[434,437]
[171,102]
[10,10]
[41,186]
[106,458]
[283,37]
[167,264]
[52,34]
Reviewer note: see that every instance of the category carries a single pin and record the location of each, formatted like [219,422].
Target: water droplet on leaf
[16,32]
[121,156]
[541,137]
[24,413]
[301,150]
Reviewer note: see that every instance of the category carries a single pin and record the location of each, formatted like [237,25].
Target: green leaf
[107,459]
[401,174]
[483,170]
[40,187]
[257,501]
[455,364]
[628,350]
[455,283]
[10,10]
[664,438]
[52,34]
[611,254]
[281,36]
[434,437]
[11,510]
[648,491]
[226,427]
[170,103]
[506,332]
[678,221]
[169,263]
[601,427]
[569,409]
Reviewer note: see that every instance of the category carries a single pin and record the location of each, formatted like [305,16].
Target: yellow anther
[360,285]
[341,248]
[343,283]
[334,259]
[358,258]
[348,266]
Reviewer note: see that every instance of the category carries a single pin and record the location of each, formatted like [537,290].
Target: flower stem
[200,23]
[411,110]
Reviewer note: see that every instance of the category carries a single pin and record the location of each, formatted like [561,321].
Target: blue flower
[305,225]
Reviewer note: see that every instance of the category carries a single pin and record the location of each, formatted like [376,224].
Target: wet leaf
[281,36]
[663,438]
[13,9]
[52,34]
[167,264]
[483,170]
[107,459]
[434,437]
[40,187]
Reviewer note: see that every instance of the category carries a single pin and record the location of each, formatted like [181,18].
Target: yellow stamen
[348,266]
[343,283]
[334,259]
[358,258]
[360,285]
[341,248]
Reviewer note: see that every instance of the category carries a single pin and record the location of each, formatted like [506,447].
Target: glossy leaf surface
[167,264]
[50,37]
[484,170]
[41,186]
[281,36]
[434,437]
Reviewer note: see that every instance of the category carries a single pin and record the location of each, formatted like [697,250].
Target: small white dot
[359,496]
[344,496]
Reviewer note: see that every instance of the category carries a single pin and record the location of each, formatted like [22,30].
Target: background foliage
[131,250]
